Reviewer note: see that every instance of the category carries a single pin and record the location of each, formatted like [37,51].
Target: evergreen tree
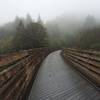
[39,21]
[28,19]
[19,38]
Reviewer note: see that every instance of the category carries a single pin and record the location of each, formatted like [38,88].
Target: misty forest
[27,33]
[50,50]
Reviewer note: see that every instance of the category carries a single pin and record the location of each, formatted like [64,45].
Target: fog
[48,9]
[28,24]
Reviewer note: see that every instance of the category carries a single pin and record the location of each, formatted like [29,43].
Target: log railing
[9,59]
[86,61]
[15,80]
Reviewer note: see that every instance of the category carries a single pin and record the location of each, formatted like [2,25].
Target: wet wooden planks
[59,81]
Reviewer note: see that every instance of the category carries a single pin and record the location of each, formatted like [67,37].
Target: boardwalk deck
[59,81]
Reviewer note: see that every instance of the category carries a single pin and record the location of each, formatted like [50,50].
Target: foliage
[6,44]
[32,36]
[25,34]
[90,38]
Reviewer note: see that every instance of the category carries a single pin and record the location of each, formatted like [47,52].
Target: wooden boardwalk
[58,81]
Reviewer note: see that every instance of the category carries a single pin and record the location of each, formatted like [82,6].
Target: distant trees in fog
[27,34]
[23,34]
[87,36]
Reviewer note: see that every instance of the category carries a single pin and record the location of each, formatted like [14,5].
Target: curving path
[58,81]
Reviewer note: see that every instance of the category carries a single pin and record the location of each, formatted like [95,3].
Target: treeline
[85,36]
[23,34]
[88,36]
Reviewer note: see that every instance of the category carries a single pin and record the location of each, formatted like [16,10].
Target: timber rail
[16,80]
[86,61]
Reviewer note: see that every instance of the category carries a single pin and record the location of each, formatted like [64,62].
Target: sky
[48,9]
